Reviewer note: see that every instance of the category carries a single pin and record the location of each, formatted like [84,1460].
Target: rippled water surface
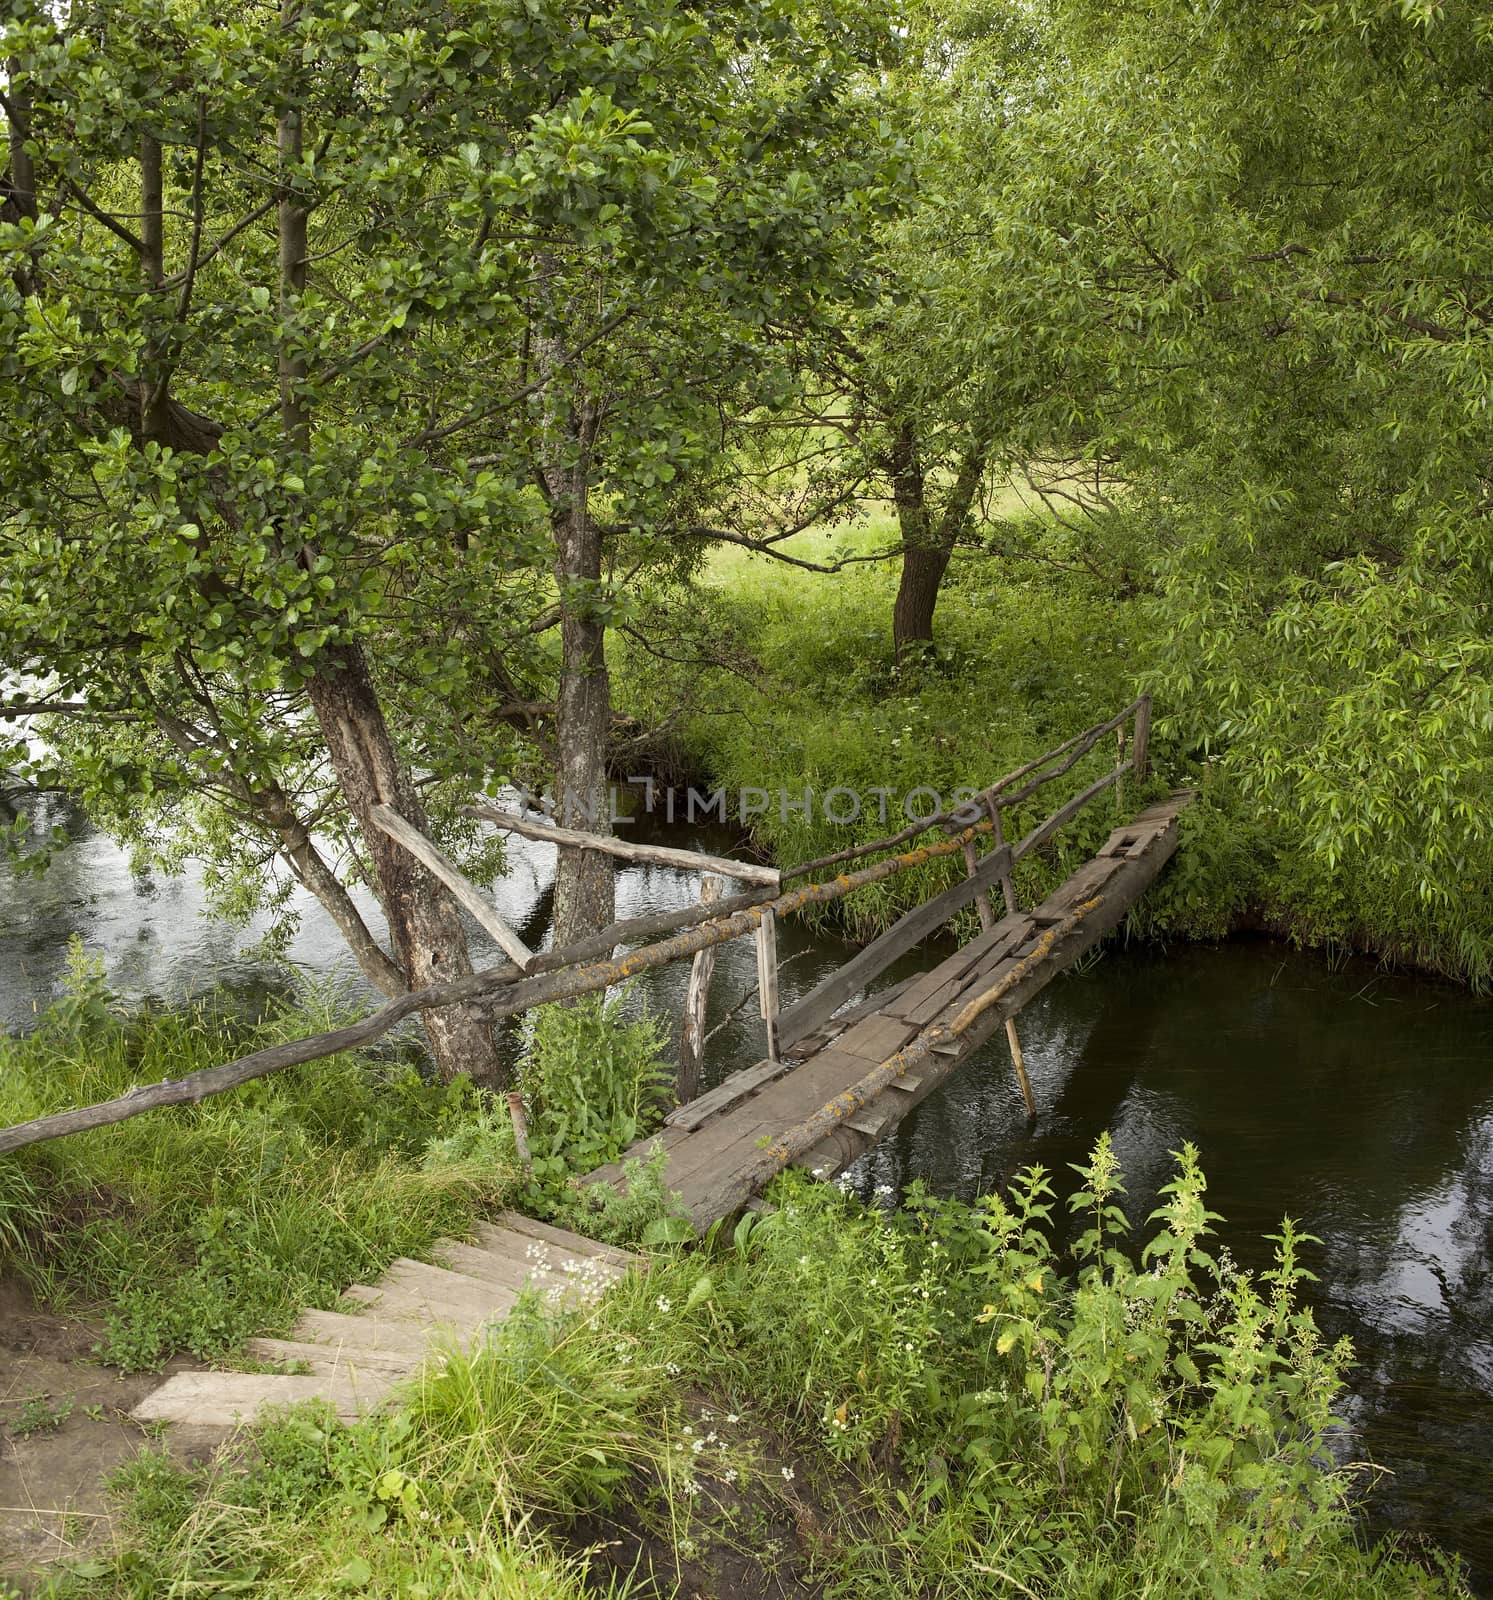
[1360,1104]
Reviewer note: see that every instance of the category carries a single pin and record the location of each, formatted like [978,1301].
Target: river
[1358,1102]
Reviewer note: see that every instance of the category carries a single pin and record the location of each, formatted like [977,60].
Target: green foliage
[971,1413]
[594,1085]
[199,1226]
[593,1082]
[194,547]
[39,1413]
[1021,665]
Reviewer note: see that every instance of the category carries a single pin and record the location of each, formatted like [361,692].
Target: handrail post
[1141,749]
[692,1039]
[982,899]
[1120,770]
[767,979]
[1008,886]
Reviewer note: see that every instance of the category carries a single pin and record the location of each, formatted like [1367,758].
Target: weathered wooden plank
[447,1294]
[407,834]
[938,1001]
[328,1359]
[728,1092]
[735,1135]
[911,929]
[882,1000]
[876,1037]
[364,1334]
[625,849]
[574,1244]
[221,1399]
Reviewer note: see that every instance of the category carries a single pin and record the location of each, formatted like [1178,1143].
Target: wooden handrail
[1080,744]
[624,849]
[564,974]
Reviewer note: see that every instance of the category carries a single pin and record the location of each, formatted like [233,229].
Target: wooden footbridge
[846,1078]
[842,1065]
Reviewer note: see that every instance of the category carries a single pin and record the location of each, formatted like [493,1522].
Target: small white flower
[729,1475]
[672,1367]
[664,1304]
[732,1417]
[787,1474]
[697,1446]
[883,1191]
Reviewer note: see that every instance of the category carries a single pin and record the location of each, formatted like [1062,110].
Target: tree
[323,330]
[1282,221]
[955,372]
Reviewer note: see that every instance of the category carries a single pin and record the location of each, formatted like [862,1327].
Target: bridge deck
[713,1141]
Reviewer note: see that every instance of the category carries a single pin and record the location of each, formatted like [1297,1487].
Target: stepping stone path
[415,1313]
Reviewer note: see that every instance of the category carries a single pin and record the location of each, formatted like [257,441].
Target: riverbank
[837,1398]
[798,690]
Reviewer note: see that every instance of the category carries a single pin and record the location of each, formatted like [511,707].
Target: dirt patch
[64,1427]
[759,1524]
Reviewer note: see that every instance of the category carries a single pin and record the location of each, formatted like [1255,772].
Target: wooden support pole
[1008,889]
[697,997]
[767,979]
[520,1126]
[1140,752]
[466,892]
[1019,1063]
[1120,770]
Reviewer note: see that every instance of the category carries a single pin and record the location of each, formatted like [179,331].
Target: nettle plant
[1179,1374]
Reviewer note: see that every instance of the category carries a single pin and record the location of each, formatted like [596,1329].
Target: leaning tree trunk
[430,944]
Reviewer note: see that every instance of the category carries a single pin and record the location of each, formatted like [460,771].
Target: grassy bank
[194,1228]
[191,1229]
[801,690]
[833,1401]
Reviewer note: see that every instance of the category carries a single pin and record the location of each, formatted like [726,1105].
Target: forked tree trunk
[430,944]
[927,541]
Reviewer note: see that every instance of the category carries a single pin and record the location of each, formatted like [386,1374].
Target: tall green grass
[193,1228]
[938,1398]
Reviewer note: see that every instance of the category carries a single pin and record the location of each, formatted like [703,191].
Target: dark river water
[1359,1103]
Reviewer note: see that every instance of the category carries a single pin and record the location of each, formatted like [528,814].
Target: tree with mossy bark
[327,330]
